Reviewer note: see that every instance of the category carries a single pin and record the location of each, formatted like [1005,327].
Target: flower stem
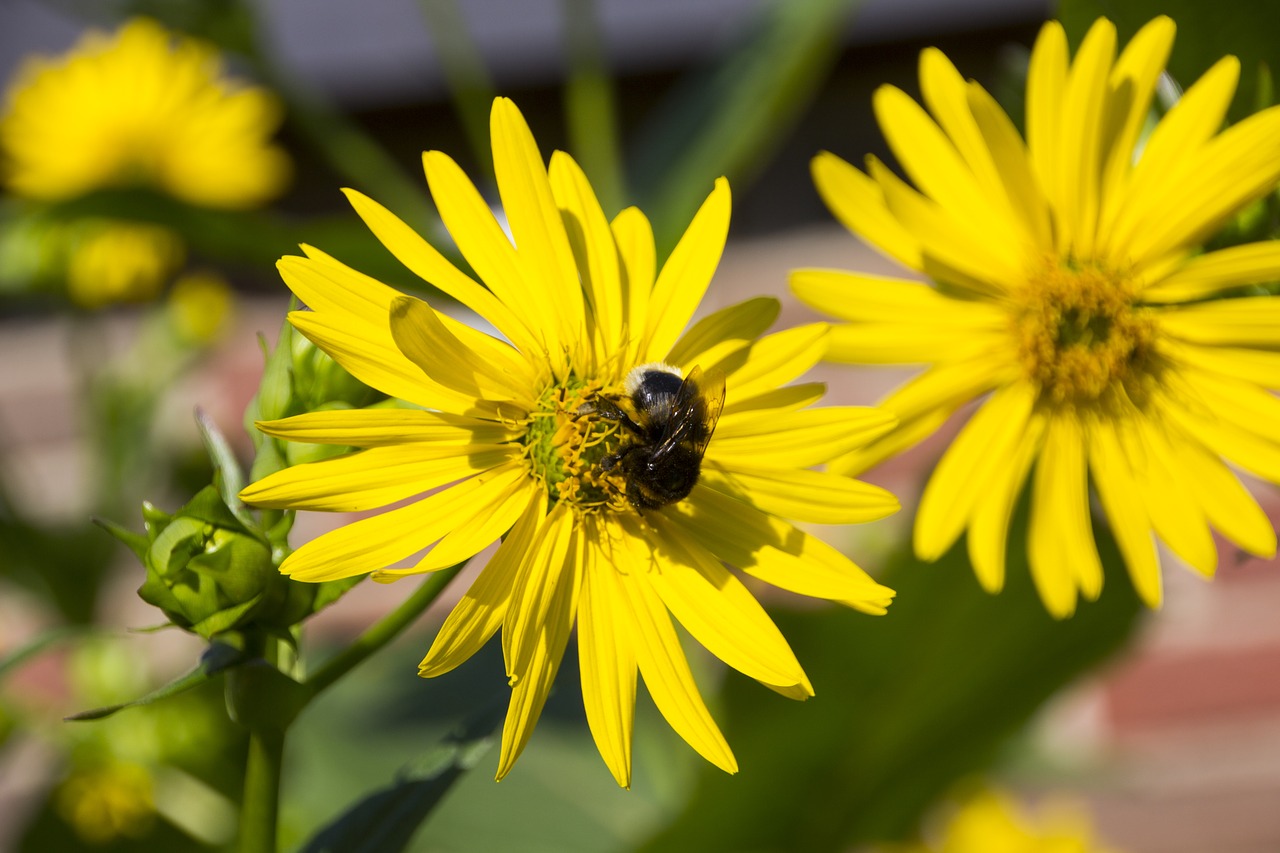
[383,632]
[261,803]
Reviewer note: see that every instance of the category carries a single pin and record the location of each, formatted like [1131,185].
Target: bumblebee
[673,422]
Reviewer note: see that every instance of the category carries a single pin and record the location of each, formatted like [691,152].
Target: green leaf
[227,473]
[728,120]
[1206,33]
[135,542]
[218,658]
[385,821]
[906,704]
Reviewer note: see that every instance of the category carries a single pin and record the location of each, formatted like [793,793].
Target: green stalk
[260,807]
[383,632]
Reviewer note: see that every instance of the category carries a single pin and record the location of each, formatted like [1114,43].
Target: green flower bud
[205,570]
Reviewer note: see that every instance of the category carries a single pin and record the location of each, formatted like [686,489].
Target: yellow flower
[142,107]
[528,432]
[116,261]
[1070,287]
[201,305]
[106,801]
[989,822]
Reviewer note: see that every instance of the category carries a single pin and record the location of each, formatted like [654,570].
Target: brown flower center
[1081,336]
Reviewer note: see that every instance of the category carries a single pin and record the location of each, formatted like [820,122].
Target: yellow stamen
[565,443]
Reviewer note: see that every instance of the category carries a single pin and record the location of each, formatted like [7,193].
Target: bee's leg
[608,463]
[606,408]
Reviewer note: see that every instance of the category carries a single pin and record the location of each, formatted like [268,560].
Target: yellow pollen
[1081,336]
[565,443]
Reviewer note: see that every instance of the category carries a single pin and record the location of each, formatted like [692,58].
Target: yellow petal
[1226,502]
[1011,157]
[1132,84]
[1046,89]
[796,439]
[908,434]
[1238,167]
[546,569]
[1167,155]
[432,267]
[378,363]
[375,477]
[1247,321]
[770,549]
[480,612]
[1207,274]
[661,660]
[1241,404]
[1233,441]
[479,367]
[634,237]
[730,327]
[719,612]
[377,542]
[989,528]
[771,361]
[383,427]
[488,250]
[490,518]
[967,470]
[1261,367]
[529,692]
[775,401]
[1122,501]
[946,386]
[954,250]
[595,254]
[933,163]
[1170,498]
[607,660]
[1084,111]
[896,321]
[814,496]
[858,202]
[1060,545]
[536,226]
[687,273]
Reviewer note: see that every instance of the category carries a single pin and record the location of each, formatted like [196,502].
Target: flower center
[1082,338]
[566,442]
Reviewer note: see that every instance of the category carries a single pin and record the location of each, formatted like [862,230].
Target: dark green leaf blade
[386,820]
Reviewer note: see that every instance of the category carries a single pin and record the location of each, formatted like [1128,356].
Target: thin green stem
[589,105]
[465,73]
[383,632]
[260,807]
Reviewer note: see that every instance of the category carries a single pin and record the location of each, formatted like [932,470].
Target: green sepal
[228,476]
[135,542]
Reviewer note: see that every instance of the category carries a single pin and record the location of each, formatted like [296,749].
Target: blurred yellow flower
[106,801]
[113,261]
[142,107]
[540,441]
[200,306]
[989,822]
[1070,287]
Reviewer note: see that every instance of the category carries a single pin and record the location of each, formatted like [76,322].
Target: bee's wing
[694,413]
